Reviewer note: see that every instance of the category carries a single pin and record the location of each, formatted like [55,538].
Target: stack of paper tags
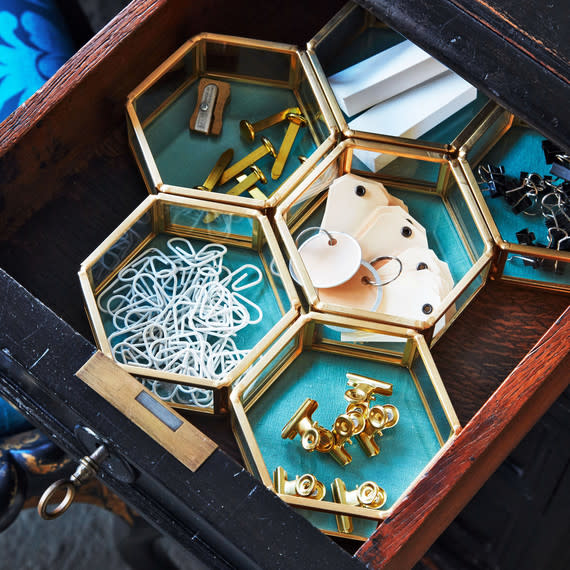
[399,274]
[401,92]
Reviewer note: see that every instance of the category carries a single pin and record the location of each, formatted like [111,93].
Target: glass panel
[359,37]
[536,215]
[120,250]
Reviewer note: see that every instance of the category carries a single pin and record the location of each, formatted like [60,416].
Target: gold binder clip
[313,436]
[377,419]
[306,485]
[342,430]
[365,389]
[368,495]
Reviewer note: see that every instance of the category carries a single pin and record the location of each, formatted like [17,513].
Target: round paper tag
[330,265]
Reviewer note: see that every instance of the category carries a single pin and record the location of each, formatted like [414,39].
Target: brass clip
[377,419]
[313,436]
[365,389]
[306,485]
[369,495]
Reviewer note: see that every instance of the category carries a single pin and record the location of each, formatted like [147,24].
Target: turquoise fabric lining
[174,145]
[405,449]
[520,149]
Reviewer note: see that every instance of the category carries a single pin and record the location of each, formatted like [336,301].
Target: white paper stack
[382,76]
[413,113]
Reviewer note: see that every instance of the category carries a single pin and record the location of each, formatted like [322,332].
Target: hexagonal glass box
[523,196]
[381,87]
[186,294]
[306,386]
[213,103]
[410,249]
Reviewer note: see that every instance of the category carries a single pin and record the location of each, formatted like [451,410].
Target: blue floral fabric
[34,43]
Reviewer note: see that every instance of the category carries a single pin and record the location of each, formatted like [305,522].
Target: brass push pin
[248,130]
[251,158]
[306,485]
[312,435]
[296,121]
[368,495]
[365,389]
[219,167]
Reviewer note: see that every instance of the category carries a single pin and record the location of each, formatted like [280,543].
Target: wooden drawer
[69,179]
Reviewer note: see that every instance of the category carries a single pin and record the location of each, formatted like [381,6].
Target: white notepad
[413,112]
[382,76]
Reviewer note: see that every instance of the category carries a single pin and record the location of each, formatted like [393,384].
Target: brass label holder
[174,433]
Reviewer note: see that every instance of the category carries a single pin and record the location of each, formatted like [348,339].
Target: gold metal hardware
[248,130]
[306,485]
[87,469]
[369,495]
[265,148]
[313,436]
[296,121]
[364,389]
[377,419]
[217,171]
[244,183]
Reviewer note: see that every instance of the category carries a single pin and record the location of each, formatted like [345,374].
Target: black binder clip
[494,178]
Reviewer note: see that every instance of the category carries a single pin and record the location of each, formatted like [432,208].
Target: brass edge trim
[334,508]
[186,443]
[248,42]
[257,368]
[93,312]
[286,278]
[332,24]
[437,382]
[213,196]
[427,409]
[144,146]
[147,204]
[158,72]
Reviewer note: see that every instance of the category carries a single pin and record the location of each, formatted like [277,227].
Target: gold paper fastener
[315,437]
[296,121]
[216,173]
[249,130]
[306,485]
[369,495]
[235,169]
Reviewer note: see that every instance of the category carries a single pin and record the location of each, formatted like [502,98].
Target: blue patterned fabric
[34,43]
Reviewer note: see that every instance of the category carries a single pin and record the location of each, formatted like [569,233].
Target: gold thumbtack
[219,167]
[312,435]
[368,495]
[306,485]
[364,389]
[251,158]
[248,130]
[296,121]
